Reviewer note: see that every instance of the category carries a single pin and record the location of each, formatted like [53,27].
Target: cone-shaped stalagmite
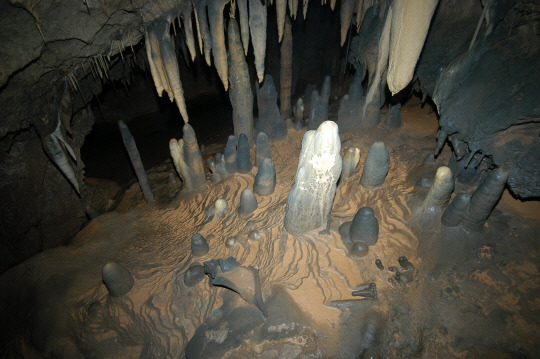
[440,191]
[248,202]
[133,152]
[244,23]
[243,162]
[365,227]
[257,26]
[350,161]
[188,159]
[310,201]
[240,91]
[215,18]
[199,245]
[376,167]
[269,120]
[456,209]
[285,78]
[262,149]
[410,24]
[194,275]
[393,117]
[230,155]
[484,199]
[350,107]
[265,180]
[318,111]
[117,279]
[204,30]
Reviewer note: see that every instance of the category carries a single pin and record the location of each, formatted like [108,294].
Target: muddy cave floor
[470,295]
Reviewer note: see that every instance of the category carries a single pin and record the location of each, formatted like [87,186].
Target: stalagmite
[248,202]
[230,155]
[376,167]
[194,275]
[133,152]
[202,23]
[244,23]
[350,161]
[262,148]
[187,159]
[350,107]
[281,10]
[269,120]
[298,112]
[440,191]
[265,180]
[285,79]
[393,117]
[243,162]
[410,24]
[345,14]
[240,91]
[199,245]
[215,17]
[310,201]
[319,107]
[453,214]
[117,279]
[365,227]
[484,199]
[257,26]
[185,13]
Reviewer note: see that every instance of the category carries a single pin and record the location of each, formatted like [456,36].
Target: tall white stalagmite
[345,14]
[244,23]
[203,29]
[281,10]
[215,16]
[410,25]
[185,13]
[257,26]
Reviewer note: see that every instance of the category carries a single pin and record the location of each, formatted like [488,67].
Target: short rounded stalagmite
[365,227]
[117,279]
[265,180]
[199,245]
[248,202]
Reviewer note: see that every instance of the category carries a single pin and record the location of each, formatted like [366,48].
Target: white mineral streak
[410,25]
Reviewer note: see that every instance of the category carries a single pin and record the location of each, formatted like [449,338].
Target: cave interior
[343,179]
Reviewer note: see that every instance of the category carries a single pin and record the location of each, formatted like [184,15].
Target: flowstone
[310,201]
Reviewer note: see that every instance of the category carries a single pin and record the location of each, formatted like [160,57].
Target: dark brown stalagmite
[240,91]
[286,71]
[215,17]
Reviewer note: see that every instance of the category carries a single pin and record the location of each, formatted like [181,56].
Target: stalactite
[54,146]
[293,8]
[281,10]
[410,24]
[332,4]
[133,152]
[285,78]
[257,26]
[240,91]
[186,11]
[360,11]
[215,17]
[202,23]
[154,60]
[172,73]
[372,104]
[306,3]
[244,23]
[345,14]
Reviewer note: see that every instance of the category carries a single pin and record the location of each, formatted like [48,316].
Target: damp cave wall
[45,46]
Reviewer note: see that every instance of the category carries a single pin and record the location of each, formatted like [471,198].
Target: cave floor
[468,296]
